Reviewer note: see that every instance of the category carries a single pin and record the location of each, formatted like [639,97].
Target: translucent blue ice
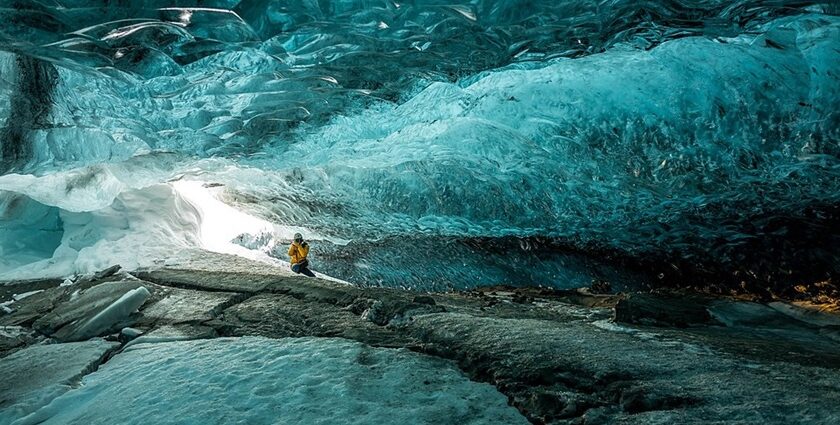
[461,142]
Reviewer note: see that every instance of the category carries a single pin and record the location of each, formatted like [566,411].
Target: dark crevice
[236,299]
[30,106]
[93,367]
[151,278]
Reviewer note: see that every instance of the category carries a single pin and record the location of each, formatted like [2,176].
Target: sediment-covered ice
[265,381]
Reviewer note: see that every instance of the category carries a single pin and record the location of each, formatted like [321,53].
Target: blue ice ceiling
[434,144]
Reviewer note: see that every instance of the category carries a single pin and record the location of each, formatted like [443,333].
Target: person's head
[298,238]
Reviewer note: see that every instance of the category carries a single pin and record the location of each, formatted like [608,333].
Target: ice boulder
[95,311]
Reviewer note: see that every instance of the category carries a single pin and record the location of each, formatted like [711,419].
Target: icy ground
[559,357]
[257,380]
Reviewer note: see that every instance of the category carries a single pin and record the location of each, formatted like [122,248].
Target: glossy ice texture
[438,144]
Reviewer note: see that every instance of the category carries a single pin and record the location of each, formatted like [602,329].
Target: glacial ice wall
[439,144]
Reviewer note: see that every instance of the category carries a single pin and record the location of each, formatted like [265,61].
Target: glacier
[428,145]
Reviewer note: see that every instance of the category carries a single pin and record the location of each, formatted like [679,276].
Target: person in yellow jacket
[297,254]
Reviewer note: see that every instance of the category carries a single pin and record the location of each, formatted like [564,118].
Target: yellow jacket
[298,252]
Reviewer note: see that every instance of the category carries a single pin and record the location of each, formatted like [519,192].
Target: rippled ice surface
[428,144]
[265,381]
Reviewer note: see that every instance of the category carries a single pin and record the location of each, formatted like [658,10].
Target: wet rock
[599,416]
[557,359]
[742,313]
[29,309]
[94,311]
[9,289]
[521,298]
[110,271]
[15,337]
[544,405]
[213,281]
[360,305]
[806,313]
[550,405]
[185,305]
[637,400]
[8,343]
[424,299]
[32,377]
[316,290]
[560,372]
[377,313]
[413,311]
[579,296]
[280,316]
[600,287]
[586,298]
[397,311]
[662,310]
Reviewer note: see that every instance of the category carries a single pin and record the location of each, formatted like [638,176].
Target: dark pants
[303,268]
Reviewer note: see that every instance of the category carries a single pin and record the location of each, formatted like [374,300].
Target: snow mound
[80,221]
[263,381]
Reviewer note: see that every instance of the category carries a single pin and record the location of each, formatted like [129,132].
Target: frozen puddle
[267,381]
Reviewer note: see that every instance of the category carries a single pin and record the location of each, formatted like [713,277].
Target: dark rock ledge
[559,356]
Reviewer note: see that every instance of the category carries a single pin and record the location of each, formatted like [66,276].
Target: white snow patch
[138,226]
[86,189]
[12,331]
[219,223]
[18,297]
[265,381]
[121,214]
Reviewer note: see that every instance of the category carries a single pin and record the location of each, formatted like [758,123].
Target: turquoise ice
[431,144]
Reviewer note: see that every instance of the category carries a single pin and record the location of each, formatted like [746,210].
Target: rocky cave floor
[559,356]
